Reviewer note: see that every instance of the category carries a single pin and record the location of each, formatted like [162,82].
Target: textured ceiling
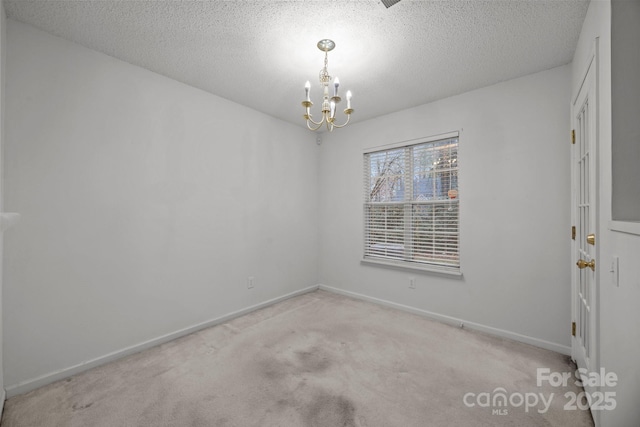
[259,53]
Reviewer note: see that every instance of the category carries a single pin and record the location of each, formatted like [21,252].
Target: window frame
[407,203]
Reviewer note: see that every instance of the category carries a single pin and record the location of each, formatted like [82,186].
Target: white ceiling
[259,53]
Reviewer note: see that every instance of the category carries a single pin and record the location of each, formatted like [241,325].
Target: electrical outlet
[250,282]
[412,282]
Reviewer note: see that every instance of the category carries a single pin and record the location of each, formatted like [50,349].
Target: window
[412,204]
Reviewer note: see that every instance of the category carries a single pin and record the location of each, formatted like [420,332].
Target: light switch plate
[615,271]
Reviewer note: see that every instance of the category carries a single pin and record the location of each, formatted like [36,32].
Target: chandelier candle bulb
[336,84]
[307,86]
[348,100]
[333,110]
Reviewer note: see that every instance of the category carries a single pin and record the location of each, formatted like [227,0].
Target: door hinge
[573,232]
[573,136]
[573,329]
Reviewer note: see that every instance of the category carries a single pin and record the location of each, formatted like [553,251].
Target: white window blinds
[411,204]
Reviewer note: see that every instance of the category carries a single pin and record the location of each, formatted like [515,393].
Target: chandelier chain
[324,73]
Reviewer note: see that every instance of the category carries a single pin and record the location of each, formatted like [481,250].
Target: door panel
[584,344]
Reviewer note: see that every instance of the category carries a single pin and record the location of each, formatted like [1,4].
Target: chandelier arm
[309,119]
[313,128]
[344,124]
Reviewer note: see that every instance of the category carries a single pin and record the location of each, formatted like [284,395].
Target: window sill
[413,267]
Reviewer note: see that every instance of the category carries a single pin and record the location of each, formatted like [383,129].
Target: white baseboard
[32,384]
[566,350]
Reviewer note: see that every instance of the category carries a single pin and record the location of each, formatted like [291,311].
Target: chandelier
[329,104]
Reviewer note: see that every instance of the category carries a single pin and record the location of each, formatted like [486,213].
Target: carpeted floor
[319,359]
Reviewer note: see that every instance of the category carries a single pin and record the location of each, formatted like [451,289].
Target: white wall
[619,314]
[515,209]
[146,204]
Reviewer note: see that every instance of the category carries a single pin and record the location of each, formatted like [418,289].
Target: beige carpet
[315,360]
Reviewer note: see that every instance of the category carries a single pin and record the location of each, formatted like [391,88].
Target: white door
[584,344]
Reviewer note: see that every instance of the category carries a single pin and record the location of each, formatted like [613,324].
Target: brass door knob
[584,264]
